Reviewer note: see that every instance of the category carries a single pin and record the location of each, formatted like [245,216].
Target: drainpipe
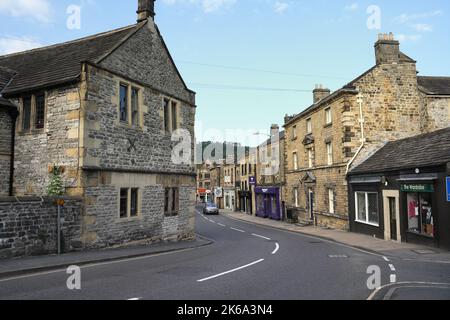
[13,138]
[363,138]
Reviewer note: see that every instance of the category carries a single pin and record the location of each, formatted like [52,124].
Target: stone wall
[56,144]
[113,145]
[5,151]
[103,225]
[28,226]
[435,113]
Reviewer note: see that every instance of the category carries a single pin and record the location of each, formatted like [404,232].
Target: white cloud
[280,7]
[408,38]
[352,7]
[423,27]
[208,6]
[407,18]
[14,44]
[37,9]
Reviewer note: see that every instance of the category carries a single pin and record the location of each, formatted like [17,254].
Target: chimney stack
[320,92]
[146,10]
[387,49]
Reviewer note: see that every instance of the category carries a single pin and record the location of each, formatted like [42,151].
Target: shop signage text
[428,188]
[252,181]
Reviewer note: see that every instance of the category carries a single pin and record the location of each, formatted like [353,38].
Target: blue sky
[251,61]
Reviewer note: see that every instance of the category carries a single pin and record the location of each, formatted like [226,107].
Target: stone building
[341,129]
[203,182]
[229,186]
[8,115]
[270,178]
[104,109]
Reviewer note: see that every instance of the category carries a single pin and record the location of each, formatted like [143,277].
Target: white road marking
[222,225]
[134,299]
[386,259]
[231,271]
[212,221]
[277,247]
[238,230]
[393,278]
[391,266]
[259,236]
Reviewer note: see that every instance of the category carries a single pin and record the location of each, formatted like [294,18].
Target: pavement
[243,261]
[391,249]
[29,265]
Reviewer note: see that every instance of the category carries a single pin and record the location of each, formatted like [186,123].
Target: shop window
[171,202]
[367,208]
[420,214]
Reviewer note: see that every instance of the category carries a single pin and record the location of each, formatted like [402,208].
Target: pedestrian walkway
[27,265]
[364,242]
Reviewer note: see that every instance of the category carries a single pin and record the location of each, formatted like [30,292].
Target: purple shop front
[268,203]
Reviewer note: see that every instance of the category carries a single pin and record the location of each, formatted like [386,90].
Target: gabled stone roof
[434,85]
[432,149]
[61,63]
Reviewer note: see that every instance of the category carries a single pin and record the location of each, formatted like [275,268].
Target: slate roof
[434,85]
[60,63]
[5,77]
[432,149]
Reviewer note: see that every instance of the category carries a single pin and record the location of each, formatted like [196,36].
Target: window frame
[129,208]
[331,201]
[310,152]
[309,129]
[171,115]
[328,116]
[171,207]
[330,158]
[131,122]
[366,197]
[296,197]
[295,160]
[32,125]
[127,107]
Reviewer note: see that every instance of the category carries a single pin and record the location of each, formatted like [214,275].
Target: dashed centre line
[260,236]
[238,230]
[222,225]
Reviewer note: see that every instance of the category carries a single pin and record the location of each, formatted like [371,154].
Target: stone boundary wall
[28,226]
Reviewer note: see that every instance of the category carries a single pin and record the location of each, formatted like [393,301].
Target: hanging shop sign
[252,181]
[426,188]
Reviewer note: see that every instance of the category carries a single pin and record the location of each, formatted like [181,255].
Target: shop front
[245,202]
[230,199]
[268,204]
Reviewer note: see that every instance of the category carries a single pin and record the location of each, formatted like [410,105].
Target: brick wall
[28,226]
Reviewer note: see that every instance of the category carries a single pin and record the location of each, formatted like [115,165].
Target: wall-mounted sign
[218,192]
[252,181]
[448,188]
[426,188]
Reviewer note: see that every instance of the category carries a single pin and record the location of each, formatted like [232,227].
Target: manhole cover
[426,251]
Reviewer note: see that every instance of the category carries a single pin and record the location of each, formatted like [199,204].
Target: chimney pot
[146,10]
[320,92]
